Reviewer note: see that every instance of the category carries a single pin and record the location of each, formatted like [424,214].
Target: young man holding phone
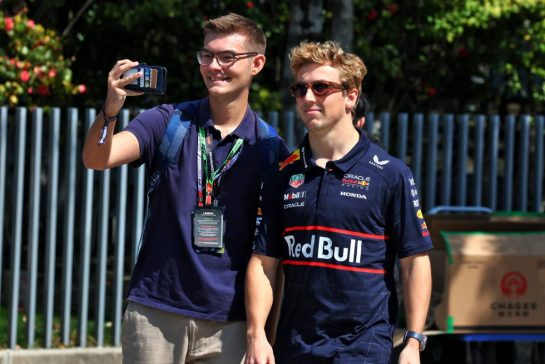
[186,296]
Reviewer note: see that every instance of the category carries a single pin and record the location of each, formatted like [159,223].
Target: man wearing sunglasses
[186,296]
[337,214]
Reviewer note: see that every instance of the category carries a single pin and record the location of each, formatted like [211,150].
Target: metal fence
[68,235]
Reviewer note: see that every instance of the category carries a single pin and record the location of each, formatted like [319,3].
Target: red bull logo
[352,180]
[326,249]
[293,157]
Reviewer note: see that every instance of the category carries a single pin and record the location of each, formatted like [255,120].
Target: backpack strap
[172,140]
[269,146]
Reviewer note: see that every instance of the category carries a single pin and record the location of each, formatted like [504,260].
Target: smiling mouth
[213,79]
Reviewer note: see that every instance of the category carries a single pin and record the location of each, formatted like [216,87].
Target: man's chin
[311,123]
[218,90]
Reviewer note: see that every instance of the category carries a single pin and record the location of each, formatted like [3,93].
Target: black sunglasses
[319,88]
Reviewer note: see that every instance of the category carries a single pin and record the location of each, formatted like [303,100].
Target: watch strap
[417,336]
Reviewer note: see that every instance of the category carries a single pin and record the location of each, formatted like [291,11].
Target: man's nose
[215,63]
[309,95]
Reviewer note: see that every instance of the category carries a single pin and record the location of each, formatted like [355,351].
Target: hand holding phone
[153,79]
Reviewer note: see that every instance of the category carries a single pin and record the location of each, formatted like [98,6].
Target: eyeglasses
[225,59]
[319,88]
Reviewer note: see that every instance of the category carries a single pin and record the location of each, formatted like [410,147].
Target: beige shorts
[152,336]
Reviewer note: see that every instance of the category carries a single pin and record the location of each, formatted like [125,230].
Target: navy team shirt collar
[245,130]
[345,163]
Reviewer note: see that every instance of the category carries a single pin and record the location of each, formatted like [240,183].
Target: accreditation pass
[208,228]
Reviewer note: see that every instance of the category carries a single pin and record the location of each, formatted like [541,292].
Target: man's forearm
[260,285]
[416,278]
[116,149]
[95,155]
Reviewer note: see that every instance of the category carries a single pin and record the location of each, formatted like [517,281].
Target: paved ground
[62,356]
[489,353]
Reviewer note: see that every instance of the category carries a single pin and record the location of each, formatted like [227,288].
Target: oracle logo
[513,284]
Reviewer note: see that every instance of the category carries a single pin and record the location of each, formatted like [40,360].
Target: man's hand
[410,353]
[258,350]
[123,147]
[117,93]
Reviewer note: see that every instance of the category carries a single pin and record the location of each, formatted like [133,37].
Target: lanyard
[211,174]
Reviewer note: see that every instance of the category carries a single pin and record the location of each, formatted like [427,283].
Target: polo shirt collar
[345,163]
[245,130]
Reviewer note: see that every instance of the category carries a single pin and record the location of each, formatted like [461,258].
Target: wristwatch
[422,339]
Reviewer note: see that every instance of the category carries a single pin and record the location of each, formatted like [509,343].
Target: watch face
[423,343]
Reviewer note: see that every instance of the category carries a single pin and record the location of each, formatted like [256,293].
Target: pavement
[62,356]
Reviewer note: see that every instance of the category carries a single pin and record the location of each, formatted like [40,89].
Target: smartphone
[153,80]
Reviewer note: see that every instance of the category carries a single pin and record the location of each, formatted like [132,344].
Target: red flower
[30,90]
[249,4]
[8,24]
[42,90]
[463,52]
[373,14]
[392,8]
[24,75]
[82,89]
[30,23]
[431,91]
[52,73]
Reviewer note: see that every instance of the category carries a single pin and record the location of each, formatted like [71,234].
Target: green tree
[463,55]
[422,55]
[168,33]
[508,40]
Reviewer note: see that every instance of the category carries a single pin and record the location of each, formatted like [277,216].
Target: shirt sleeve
[407,225]
[149,128]
[284,152]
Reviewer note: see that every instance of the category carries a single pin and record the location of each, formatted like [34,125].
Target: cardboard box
[493,282]
[496,222]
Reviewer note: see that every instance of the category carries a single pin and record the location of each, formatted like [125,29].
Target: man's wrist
[108,118]
[413,343]
[416,339]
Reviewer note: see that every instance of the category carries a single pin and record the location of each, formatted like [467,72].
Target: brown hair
[351,67]
[233,23]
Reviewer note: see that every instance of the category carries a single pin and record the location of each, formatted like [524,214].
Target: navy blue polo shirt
[338,231]
[170,273]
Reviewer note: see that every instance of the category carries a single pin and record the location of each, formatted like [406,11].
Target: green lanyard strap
[213,175]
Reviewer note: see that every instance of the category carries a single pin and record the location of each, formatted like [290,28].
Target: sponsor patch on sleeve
[292,158]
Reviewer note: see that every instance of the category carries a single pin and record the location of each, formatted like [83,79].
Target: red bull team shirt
[338,232]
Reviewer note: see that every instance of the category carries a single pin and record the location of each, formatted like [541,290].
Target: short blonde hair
[351,67]
[237,24]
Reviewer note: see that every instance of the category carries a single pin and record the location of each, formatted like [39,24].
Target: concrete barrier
[62,356]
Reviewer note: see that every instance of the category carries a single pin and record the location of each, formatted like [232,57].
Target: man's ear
[351,99]
[258,63]
[361,122]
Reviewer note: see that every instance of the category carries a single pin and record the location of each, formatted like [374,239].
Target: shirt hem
[189,313]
